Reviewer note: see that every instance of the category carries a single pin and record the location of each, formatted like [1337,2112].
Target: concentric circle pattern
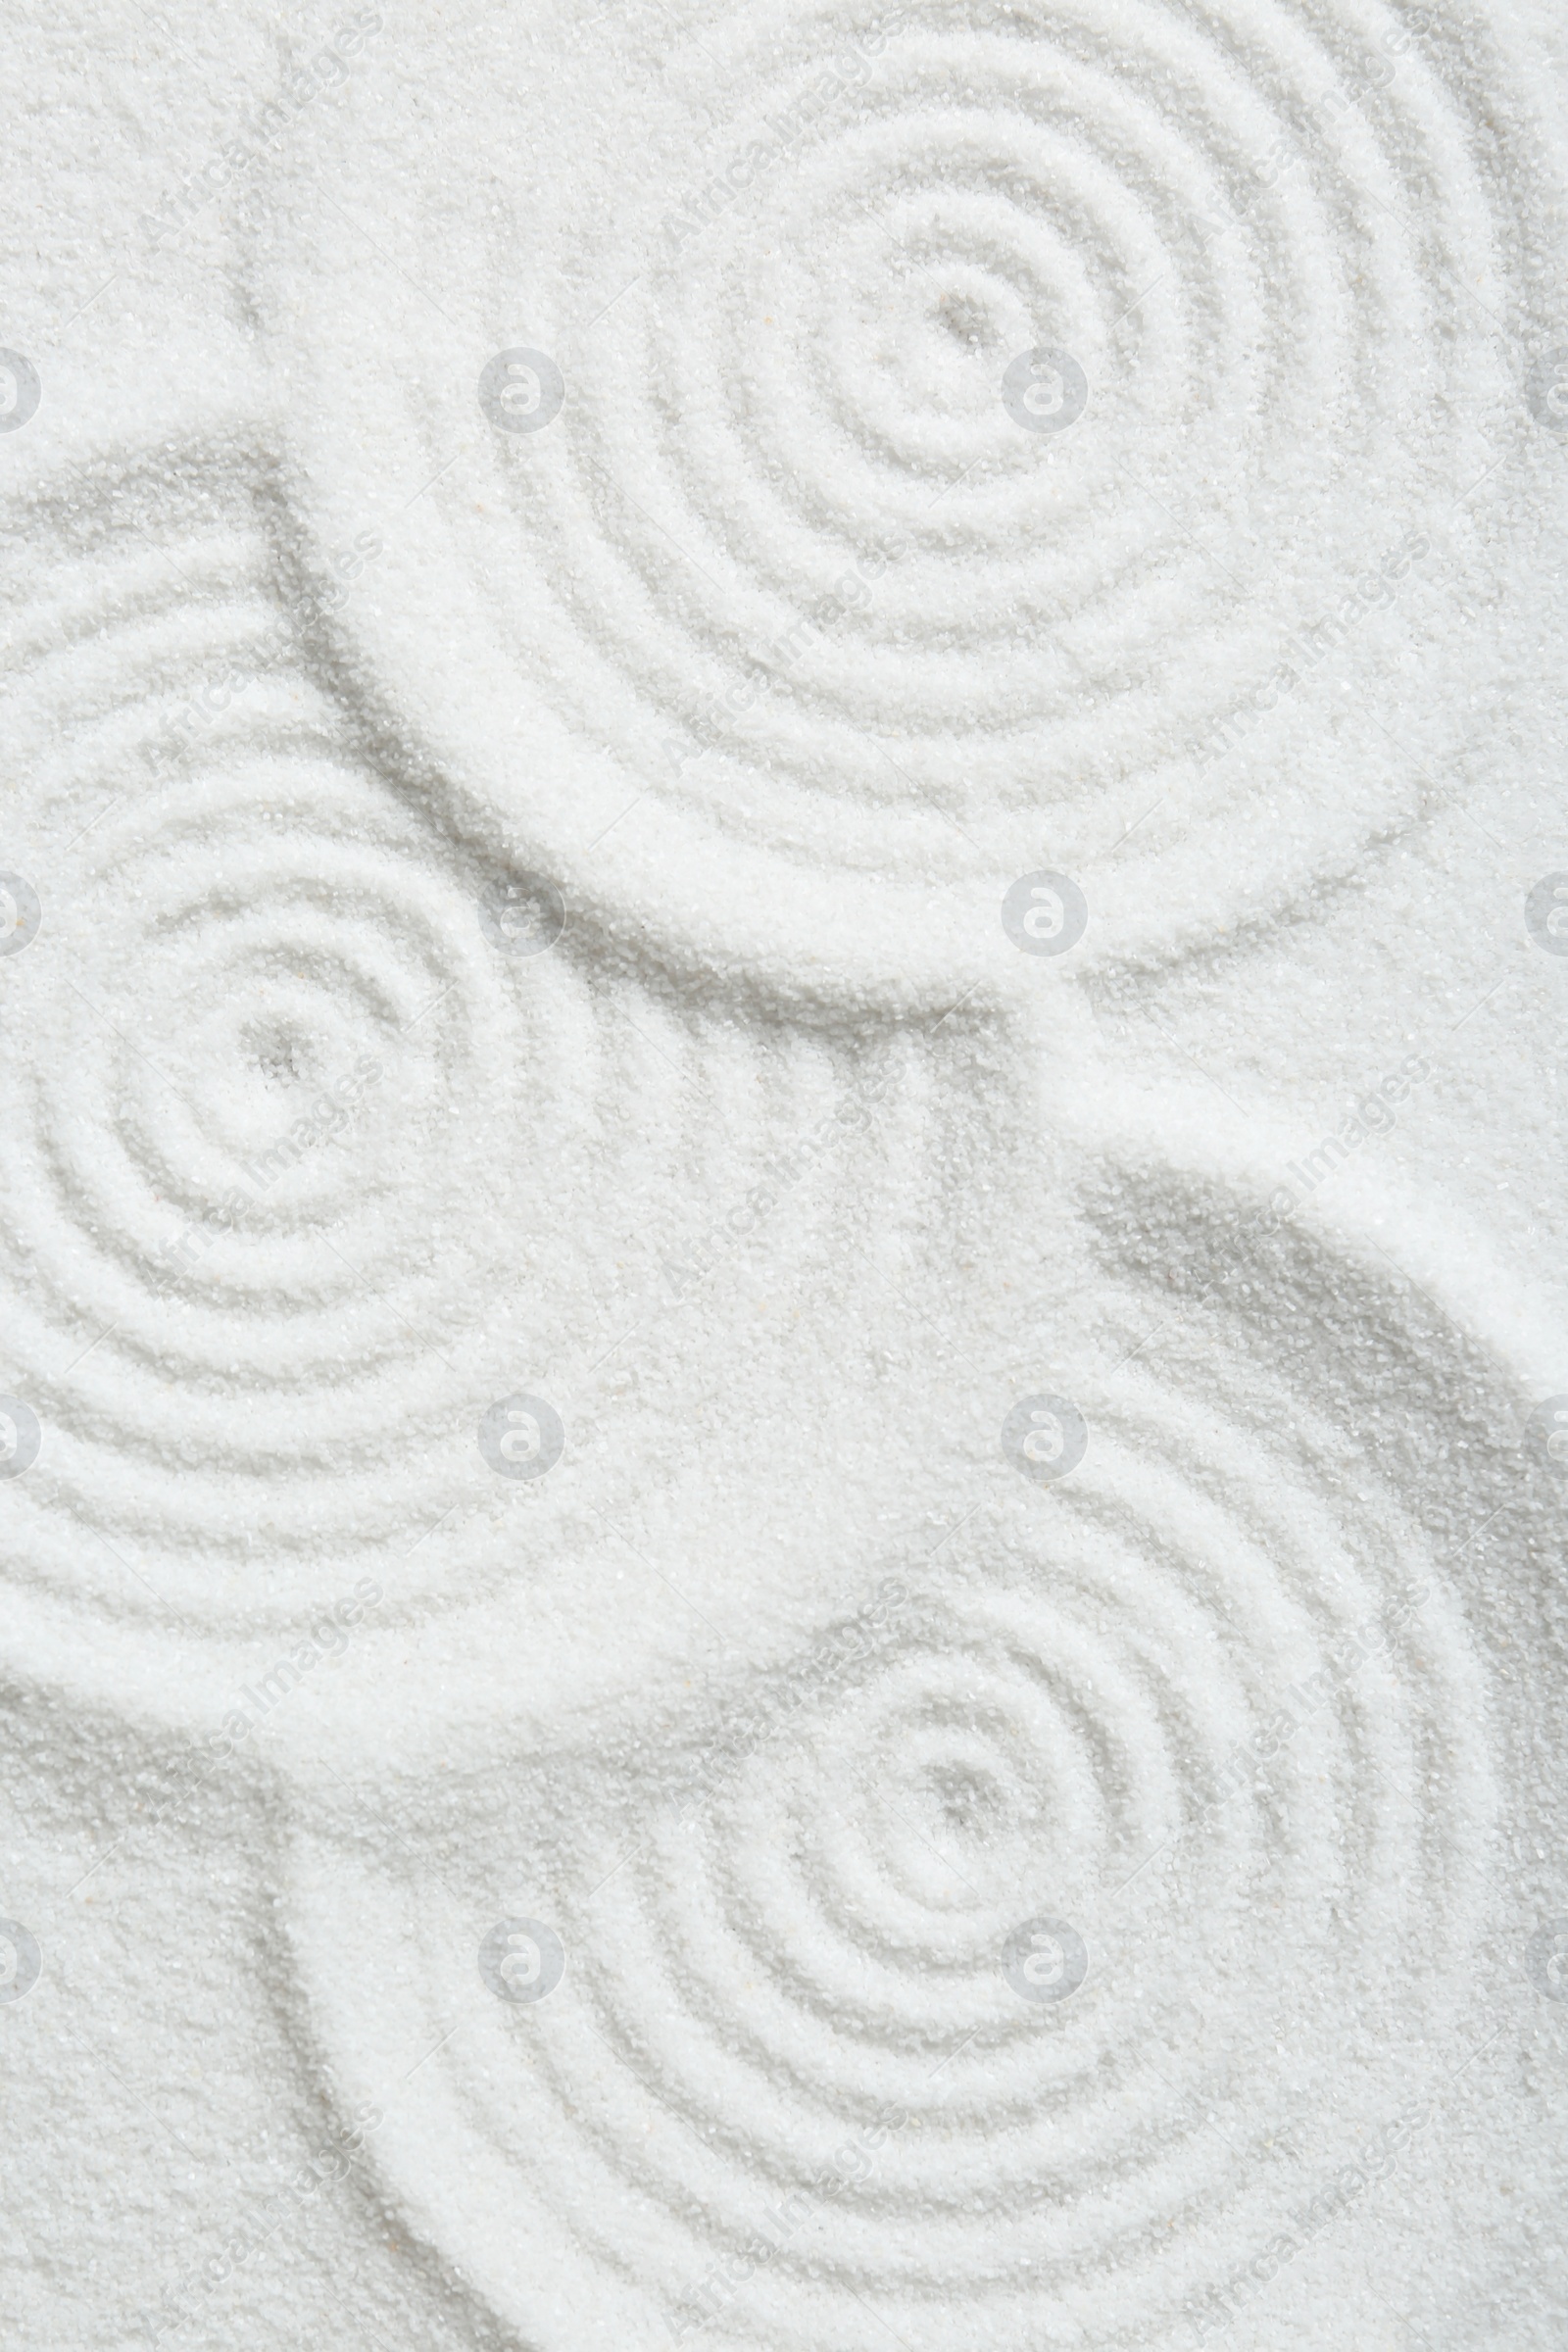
[803,576]
[319,1150]
[1204,1726]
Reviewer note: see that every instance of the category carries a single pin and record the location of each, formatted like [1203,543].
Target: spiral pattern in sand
[307,1167]
[1208,1712]
[807,596]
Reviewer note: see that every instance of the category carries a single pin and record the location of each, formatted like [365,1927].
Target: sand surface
[783,1336]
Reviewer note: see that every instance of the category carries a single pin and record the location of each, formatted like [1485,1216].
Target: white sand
[784,1382]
